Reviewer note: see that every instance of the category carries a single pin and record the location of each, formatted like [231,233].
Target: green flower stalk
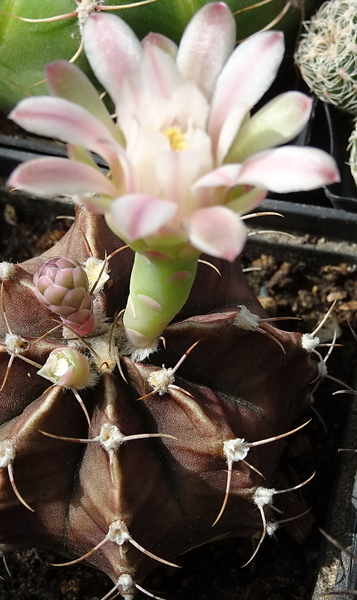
[186,160]
[158,290]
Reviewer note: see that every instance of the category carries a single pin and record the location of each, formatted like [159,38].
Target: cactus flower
[67,368]
[186,159]
[62,285]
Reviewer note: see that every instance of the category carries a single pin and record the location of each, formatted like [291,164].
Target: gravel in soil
[287,564]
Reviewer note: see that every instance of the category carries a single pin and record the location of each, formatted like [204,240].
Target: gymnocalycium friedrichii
[185,158]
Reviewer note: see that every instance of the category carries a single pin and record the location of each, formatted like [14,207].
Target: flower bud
[67,368]
[62,285]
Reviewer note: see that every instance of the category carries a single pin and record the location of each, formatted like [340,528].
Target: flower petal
[217,231]
[249,72]
[161,41]
[206,44]
[64,120]
[226,176]
[191,107]
[289,169]
[113,50]
[66,80]
[143,147]
[137,215]
[98,204]
[229,130]
[278,122]
[69,122]
[146,96]
[176,172]
[159,70]
[245,202]
[80,154]
[53,176]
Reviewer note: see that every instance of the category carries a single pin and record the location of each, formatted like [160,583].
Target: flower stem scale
[185,157]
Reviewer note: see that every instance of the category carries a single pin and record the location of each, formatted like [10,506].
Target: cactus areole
[27,46]
[162,427]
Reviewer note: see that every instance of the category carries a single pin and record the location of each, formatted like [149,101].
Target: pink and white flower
[186,159]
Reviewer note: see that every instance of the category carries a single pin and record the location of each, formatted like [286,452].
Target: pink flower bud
[67,368]
[62,285]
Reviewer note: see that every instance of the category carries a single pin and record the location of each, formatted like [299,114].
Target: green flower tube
[158,290]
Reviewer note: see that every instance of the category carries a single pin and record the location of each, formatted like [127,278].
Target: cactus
[21,72]
[327,54]
[146,480]
[327,58]
[166,450]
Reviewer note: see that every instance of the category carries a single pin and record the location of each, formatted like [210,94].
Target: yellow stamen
[176,138]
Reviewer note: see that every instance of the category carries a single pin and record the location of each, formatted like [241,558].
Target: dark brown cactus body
[160,496]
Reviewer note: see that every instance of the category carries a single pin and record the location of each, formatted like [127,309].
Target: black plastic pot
[338,569]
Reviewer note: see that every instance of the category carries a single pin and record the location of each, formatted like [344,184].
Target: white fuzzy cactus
[327,54]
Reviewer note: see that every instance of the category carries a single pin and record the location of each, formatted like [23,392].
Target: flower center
[176,138]
[60,367]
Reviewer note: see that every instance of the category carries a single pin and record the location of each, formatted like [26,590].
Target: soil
[287,565]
